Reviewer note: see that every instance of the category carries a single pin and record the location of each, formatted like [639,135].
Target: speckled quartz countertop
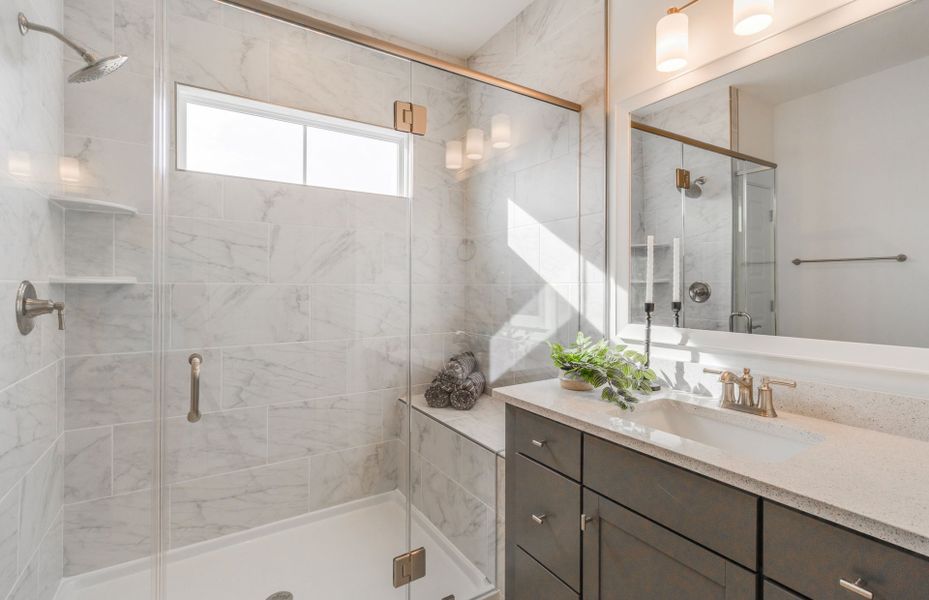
[869,481]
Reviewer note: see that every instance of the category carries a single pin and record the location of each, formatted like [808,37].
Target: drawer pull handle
[539,519]
[538,443]
[856,588]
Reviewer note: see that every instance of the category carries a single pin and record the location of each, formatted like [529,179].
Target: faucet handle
[60,307]
[766,395]
[728,379]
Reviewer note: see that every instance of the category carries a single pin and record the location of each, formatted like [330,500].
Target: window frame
[187,94]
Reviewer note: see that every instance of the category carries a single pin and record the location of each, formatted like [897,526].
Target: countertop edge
[890,534]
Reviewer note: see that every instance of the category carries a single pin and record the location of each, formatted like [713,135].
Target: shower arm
[25,26]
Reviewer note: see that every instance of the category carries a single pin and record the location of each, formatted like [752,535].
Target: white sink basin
[671,423]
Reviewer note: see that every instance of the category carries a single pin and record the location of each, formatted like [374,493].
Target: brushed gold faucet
[746,401]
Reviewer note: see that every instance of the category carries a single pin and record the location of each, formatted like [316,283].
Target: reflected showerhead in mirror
[96,68]
[696,188]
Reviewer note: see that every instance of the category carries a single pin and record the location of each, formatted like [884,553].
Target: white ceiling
[454,27]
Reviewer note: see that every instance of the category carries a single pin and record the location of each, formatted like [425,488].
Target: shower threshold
[340,553]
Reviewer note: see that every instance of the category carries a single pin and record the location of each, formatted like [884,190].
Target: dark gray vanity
[587,518]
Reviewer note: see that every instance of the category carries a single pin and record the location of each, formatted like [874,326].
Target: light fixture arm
[682,8]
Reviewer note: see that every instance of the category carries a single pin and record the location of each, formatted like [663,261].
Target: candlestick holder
[676,309]
[649,309]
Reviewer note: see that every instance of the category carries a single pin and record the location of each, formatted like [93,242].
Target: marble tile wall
[32,246]
[538,272]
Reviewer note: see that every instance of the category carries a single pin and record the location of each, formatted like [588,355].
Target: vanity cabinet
[592,520]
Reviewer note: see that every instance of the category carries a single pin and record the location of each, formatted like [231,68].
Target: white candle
[676,289]
[650,270]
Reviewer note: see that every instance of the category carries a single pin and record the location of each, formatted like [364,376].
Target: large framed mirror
[786,197]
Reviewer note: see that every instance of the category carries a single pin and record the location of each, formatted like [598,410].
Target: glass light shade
[474,144]
[19,163]
[500,131]
[454,157]
[672,40]
[69,169]
[751,16]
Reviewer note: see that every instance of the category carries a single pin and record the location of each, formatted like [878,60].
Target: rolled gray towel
[437,397]
[460,366]
[466,396]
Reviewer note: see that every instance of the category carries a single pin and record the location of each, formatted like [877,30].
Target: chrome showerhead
[96,67]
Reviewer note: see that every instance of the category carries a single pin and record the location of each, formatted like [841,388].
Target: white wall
[851,163]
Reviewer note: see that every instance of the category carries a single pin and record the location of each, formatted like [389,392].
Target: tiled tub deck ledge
[866,480]
[484,424]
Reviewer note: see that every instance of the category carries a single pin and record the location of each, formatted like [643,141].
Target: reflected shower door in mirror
[824,144]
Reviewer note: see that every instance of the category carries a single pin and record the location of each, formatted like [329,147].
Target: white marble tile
[134,237]
[50,561]
[88,461]
[229,314]
[283,203]
[204,509]
[91,22]
[19,355]
[559,251]
[466,521]
[134,34]
[192,194]
[316,255]
[210,250]
[9,535]
[201,10]
[117,107]
[348,475]
[217,58]
[42,499]
[112,170]
[110,389]
[262,375]
[89,244]
[378,363]
[354,311]
[31,228]
[106,532]
[30,408]
[27,586]
[324,425]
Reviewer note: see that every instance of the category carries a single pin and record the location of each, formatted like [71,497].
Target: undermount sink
[666,421]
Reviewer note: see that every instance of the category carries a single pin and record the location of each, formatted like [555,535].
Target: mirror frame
[897,369]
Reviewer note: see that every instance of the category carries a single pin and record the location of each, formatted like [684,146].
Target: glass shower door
[287,300]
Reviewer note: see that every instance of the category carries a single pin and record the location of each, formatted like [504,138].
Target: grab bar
[195,361]
[898,258]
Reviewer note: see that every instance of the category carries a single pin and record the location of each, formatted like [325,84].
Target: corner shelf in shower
[657,281]
[92,205]
[93,280]
[644,246]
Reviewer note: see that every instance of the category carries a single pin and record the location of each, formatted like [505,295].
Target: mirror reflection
[792,190]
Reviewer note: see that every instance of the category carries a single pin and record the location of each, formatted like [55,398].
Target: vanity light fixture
[474,144]
[672,34]
[500,131]
[453,155]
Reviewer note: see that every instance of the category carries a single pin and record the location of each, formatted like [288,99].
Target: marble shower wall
[31,367]
[298,298]
[539,271]
[704,224]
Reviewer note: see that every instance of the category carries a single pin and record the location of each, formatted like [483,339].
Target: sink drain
[281,596]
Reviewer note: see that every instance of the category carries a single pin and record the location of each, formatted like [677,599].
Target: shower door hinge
[410,118]
[682,179]
[409,567]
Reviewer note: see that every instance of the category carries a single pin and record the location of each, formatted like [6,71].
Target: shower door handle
[195,361]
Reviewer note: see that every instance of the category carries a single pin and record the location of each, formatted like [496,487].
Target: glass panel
[495,273]
[753,247]
[657,209]
[707,240]
[295,477]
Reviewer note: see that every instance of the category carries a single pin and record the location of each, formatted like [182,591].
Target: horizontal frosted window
[229,135]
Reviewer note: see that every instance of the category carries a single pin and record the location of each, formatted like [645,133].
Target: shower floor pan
[341,553]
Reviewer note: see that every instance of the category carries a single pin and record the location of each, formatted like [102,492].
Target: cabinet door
[532,581]
[628,557]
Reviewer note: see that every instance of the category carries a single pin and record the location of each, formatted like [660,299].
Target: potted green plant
[587,365]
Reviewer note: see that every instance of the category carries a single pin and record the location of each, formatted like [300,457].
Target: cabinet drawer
[627,557]
[535,493]
[710,513]
[772,591]
[811,556]
[554,445]
[532,581]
